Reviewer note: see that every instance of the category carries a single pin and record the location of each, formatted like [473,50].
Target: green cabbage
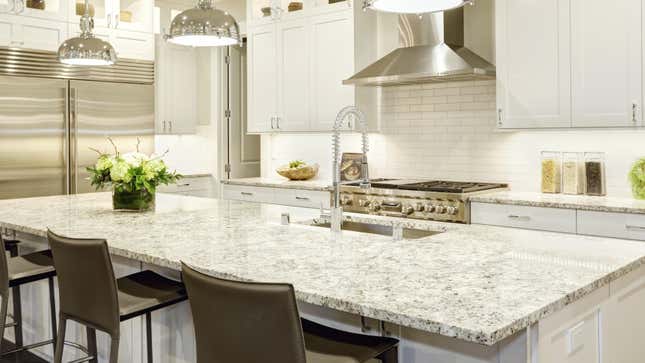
[637,178]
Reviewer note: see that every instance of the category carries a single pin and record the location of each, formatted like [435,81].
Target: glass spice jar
[551,171]
[595,174]
[573,172]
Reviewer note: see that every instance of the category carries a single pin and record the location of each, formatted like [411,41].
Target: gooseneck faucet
[336,208]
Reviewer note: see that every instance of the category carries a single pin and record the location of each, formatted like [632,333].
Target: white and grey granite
[314,184]
[581,202]
[476,283]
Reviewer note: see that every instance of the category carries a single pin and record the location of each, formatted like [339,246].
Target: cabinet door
[294,73]
[134,45]
[48,10]
[623,320]
[135,15]
[39,33]
[606,62]
[533,63]
[180,89]
[7,30]
[332,41]
[262,73]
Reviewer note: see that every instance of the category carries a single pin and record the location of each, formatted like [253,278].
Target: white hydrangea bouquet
[134,177]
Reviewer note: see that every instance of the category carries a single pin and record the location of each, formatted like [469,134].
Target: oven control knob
[407,210]
[452,210]
[375,206]
[440,209]
[430,208]
[346,200]
[419,207]
[364,203]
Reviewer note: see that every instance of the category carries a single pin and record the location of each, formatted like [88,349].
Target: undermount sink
[408,233]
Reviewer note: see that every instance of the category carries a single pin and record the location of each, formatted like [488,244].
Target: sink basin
[408,233]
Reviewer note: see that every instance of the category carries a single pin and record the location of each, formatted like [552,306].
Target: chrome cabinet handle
[277,122]
[519,218]
[109,20]
[247,194]
[499,117]
[634,109]
[169,126]
[164,126]
[634,228]
[116,21]
[272,120]
[302,198]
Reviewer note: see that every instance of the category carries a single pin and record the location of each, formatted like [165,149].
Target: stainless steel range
[418,199]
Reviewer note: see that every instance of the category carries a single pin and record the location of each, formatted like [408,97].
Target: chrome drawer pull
[634,228]
[519,218]
[247,194]
[302,198]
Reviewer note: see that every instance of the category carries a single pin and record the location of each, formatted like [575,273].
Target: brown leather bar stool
[90,294]
[259,323]
[15,272]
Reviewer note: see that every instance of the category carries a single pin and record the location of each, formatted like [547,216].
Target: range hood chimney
[432,50]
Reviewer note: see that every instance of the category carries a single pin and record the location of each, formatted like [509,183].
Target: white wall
[448,131]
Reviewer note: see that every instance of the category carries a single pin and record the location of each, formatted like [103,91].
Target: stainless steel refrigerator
[48,125]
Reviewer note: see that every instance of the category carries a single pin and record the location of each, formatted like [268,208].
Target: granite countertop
[582,202]
[476,283]
[314,184]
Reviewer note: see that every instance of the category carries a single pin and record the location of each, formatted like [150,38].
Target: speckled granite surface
[314,184]
[582,202]
[476,283]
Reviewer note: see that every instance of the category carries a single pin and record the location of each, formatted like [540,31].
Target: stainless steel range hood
[432,50]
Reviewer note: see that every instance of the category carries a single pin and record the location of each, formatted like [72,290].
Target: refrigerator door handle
[66,142]
[73,140]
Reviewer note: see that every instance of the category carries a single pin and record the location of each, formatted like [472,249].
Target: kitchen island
[467,294]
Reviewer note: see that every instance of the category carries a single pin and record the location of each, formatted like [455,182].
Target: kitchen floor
[22,357]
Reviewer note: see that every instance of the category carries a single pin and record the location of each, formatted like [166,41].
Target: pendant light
[204,26]
[414,6]
[86,49]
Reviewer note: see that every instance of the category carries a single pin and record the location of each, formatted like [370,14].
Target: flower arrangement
[134,177]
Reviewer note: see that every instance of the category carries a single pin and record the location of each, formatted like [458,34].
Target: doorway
[242,152]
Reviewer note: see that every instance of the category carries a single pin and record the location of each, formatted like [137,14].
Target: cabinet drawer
[309,199]
[617,225]
[544,219]
[248,194]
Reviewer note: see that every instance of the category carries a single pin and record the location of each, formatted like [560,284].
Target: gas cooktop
[440,186]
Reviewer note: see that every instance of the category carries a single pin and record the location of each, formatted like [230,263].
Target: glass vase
[138,200]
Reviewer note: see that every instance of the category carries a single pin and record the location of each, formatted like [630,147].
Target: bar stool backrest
[244,322]
[4,272]
[86,282]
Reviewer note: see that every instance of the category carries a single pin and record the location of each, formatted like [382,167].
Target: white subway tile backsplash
[448,131]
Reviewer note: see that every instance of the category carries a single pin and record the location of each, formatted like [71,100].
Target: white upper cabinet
[297,63]
[263,82]
[332,40]
[31,33]
[606,41]
[176,89]
[134,15]
[42,9]
[569,63]
[533,87]
[294,75]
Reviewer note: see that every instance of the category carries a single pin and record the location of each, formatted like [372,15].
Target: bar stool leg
[17,315]
[52,307]
[391,356]
[114,349]
[3,318]
[60,342]
[149,336]
[91,344]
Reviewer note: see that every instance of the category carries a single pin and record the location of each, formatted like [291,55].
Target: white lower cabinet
[572,335]
[616,225]
[282,196]
[544,219]
[624,320]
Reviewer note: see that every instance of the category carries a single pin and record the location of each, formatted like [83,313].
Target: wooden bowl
[305,172]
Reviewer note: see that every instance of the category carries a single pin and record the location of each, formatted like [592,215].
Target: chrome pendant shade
[86,49]
[204,26]
[414,6]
